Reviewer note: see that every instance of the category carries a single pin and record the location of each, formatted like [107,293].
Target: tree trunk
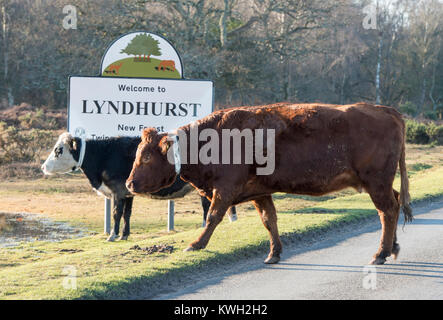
[377,76]
[288,80]
[7,86]
[342,91]
[283,62]
[422,97]
[431,91]
[222,24]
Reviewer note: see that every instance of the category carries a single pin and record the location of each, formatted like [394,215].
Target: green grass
[111,270]
[105,271]
[135,68]
[416,167]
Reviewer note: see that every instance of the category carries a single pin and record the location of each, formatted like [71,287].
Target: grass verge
[103,270]
[41,270]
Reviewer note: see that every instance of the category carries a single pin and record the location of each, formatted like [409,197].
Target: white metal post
[107,224]
[170,215]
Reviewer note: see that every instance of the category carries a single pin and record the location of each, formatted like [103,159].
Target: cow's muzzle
[131,186]
[45,171]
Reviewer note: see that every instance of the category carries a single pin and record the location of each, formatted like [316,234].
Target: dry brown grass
[71,198]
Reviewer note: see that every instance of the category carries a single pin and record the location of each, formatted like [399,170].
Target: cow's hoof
[378,261]
[233,217]
[190,248]
[111,238]
[124,238]
[395,250]
[272,260]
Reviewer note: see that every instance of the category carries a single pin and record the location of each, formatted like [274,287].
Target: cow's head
[151,170]
[65,156]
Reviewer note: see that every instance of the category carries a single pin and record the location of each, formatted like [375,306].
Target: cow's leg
[268,215]
[216,212]
[118,212]
[388,210]
[127,216]
[205,205]
[395,245]
[232,214]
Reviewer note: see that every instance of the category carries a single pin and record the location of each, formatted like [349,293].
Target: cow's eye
[146,158]
[58,151]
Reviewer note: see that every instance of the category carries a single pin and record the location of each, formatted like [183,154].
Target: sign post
[170,215]
[141,85]
[107,217]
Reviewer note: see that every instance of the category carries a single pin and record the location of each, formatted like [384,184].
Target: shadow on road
[332,238]
[414,269]
[428,221]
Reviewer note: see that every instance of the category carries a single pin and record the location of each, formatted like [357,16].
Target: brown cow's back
[319,148]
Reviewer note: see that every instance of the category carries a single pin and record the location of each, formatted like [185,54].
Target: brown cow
[115,68]
[318,149]
[166,64]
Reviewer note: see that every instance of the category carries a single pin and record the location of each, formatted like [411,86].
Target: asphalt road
[336,267]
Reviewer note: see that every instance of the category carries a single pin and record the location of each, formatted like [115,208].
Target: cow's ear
[66,138]
[165,144]
[73,144]
[149,134]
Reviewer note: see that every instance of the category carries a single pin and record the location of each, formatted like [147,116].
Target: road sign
[142,55]
[141,84]
[103,107]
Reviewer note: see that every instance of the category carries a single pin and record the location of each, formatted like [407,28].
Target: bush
[439,111]
[27,117]
[430,115]
[422,133]
[408,108]
[23,145]
[435,133]
[416,132]
[37,120]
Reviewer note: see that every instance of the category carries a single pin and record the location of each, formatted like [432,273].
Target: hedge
[424,133]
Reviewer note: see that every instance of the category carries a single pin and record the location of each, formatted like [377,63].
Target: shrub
[420,166]
[27,116]
[430,115]
[408,108]
[23,145]
[38,120]
[416,132]
[422,133]
[435,133]
[439,111]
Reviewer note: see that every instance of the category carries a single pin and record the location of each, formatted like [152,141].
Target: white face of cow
[61,159]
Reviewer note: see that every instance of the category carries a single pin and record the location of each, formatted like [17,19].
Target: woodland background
[256,51]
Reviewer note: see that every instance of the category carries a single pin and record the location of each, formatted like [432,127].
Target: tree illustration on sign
[142,45]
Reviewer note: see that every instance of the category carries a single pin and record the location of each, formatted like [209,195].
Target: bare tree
[5,50]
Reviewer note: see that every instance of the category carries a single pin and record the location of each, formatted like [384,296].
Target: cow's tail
[405,198]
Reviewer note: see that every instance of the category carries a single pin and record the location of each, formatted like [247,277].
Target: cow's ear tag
[74,145]
[165,144]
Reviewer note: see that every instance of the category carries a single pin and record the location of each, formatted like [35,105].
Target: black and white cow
[107,164]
